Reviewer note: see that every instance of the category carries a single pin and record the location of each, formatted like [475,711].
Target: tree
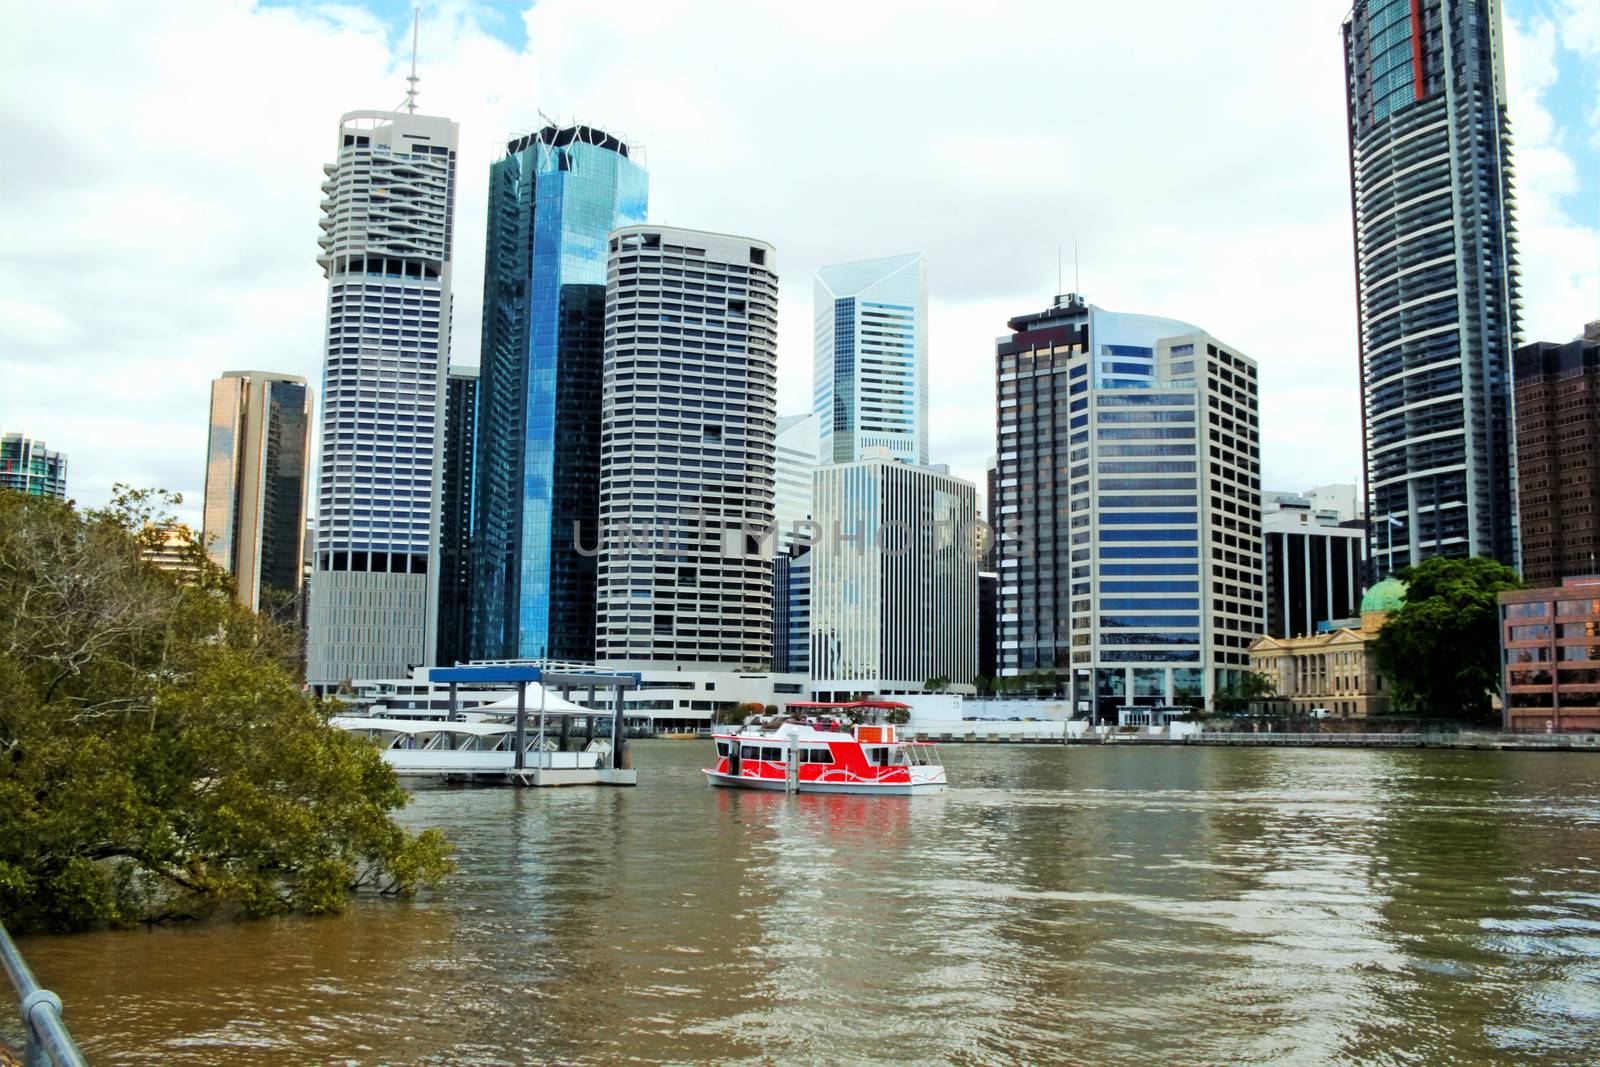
[936,685]
[1440,653]
[731,714]
[1248,687]
[158,757]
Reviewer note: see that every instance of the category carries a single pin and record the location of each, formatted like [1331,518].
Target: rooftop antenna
[1077,282]
[411,80]
[1058,267]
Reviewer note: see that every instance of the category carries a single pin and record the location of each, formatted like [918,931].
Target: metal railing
[48,1042]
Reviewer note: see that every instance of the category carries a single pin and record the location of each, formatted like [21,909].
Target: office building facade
[870,374]
[554,199]
[1549,644]
[27,466]
[894,579]
[1314,564]
[456,495]
[791,613]
[1128,506]
[1436,277]
[1558,457]
[258,465]
[687,452]
[386,253]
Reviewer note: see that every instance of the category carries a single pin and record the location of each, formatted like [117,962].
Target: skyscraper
[1436,277]
[871,359]
[796,465]
[894,579]
[387,236]
[1558,458]
[258,461]
[1128,505]
[27,466]
[553,200]
[687,443]
[455,523]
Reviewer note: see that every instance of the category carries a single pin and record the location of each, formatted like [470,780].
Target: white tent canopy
[553,703]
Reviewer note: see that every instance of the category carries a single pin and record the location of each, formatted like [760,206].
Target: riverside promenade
[995,731]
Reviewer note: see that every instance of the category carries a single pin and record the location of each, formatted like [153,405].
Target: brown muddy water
[1057,905]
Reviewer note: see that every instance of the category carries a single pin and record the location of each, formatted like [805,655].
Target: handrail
[49,1043]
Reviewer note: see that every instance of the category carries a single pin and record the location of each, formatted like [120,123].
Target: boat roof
[890,705]
[421,726]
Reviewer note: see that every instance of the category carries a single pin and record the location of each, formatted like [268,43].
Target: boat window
[749,752]
[877,755]
[722,748]
[900,759]
[816,755]
[772,754]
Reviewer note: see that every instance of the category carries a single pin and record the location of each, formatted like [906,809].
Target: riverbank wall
[1080,733]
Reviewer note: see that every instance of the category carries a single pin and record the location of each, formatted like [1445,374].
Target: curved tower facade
[1435,275]
[554,199]
[687,449]
[388,206]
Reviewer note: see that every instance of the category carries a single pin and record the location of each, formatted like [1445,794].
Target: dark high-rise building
[1558,458]
[1313,565]
[988,624]
[553,201]
[455,524]
[1436,277]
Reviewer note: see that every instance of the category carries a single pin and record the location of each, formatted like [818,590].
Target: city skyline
[1305,385]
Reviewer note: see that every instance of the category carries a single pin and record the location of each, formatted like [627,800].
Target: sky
[161,194]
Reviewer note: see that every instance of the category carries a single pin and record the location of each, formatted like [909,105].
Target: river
[1057,905]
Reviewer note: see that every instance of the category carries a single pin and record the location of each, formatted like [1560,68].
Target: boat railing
[48,1042]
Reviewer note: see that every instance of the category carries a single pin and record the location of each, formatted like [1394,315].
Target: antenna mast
[411,81]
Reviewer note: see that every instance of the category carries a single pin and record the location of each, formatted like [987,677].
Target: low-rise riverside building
[1333,671]
[1550,657]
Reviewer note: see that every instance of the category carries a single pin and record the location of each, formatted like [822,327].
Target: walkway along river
[1109,905]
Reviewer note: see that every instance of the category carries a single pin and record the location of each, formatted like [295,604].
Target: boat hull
[778,785]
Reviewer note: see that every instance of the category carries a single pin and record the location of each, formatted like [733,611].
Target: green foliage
[735,714]
[1238,695]
[1440,653]
[158,757]
[936,685]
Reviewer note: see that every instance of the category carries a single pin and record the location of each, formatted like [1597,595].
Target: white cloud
[1560,258]
[162,209]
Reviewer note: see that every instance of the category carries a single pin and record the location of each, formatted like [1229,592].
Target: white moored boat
[806,750]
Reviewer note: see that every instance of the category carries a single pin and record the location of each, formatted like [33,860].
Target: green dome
[1387,595]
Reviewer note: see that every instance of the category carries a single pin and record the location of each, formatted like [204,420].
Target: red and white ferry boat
[808,750]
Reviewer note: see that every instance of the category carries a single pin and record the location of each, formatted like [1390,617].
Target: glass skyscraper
[1435,275]
[257,471]
[553,201]
[870,373]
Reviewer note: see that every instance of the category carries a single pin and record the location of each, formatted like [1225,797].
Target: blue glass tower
[553,201]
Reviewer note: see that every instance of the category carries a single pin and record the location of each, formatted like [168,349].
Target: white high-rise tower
[387,229]
[871,364]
